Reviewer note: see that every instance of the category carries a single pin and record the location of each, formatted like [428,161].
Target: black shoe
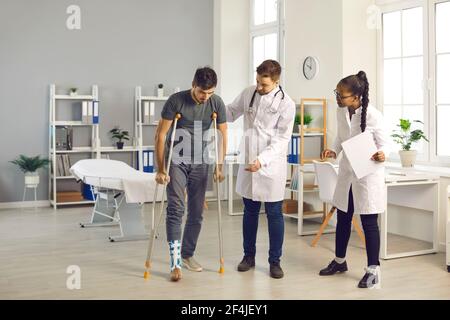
[334,268]
[246,264]
[371,279]
[275,271]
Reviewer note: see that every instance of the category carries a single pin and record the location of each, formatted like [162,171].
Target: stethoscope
[252,101]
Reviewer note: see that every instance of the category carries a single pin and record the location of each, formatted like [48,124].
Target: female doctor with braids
[365,196]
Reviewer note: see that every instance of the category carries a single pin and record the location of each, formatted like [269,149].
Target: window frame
[429,74]
[431,8]
[266,29]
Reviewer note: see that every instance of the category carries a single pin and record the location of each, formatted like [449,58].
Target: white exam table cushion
[139,187]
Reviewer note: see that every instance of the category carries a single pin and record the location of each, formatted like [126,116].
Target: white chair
[326,175]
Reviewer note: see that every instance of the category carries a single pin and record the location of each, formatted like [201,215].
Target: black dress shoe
[275,271]
[371,279]
[334,268]
[246,264]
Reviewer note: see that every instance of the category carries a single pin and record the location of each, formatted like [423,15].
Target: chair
[327,175]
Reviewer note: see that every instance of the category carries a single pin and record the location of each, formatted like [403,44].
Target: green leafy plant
[73,90]
[297,119]
[307,119]
[30,164]
[119,134]
[405,137]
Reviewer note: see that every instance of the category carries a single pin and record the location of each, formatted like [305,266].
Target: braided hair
[359,86]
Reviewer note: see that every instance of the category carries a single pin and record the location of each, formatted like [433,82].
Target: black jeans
[371,233]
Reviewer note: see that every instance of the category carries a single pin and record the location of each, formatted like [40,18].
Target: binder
[145,161]
[90,111]
[84,112]
[95,117]
[146,118]
[152,112]
[150,161]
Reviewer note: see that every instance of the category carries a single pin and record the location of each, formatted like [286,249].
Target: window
[415,71]
[403,63]
[443,78]
[265,31]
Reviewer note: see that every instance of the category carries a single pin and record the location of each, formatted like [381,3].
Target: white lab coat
[267,132]
[369,193]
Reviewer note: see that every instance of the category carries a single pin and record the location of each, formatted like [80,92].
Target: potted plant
[120,135]
[73,92]
[29,166]
[160,90]
[307,119]
[405,138]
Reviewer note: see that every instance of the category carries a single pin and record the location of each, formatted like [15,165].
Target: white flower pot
[160,92]
[31,179]
[408,158]
[300,127]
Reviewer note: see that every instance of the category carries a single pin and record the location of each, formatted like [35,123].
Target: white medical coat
[268,129]
[369,193]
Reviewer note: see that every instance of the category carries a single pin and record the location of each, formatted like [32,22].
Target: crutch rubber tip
[221,270]
[146,275]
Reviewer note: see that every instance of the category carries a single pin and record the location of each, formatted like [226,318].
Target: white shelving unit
[93,150]
[139,123]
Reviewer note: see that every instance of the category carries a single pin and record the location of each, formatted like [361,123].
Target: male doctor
[268,123]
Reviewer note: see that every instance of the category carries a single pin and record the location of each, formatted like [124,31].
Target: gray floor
[38,246]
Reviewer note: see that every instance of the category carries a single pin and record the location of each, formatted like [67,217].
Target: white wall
[231,55]
[314,28]
[360,42]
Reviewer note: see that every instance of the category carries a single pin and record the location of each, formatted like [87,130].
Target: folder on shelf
[95,116]
[90,112]
[84,112]
[147,161]
[152,112]
[146,118]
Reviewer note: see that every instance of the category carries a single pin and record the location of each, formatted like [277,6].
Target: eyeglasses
[338,96]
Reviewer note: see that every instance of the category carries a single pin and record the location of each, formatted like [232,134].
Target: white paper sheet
[359,151]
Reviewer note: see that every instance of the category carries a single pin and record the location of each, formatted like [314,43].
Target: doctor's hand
[162,178]
[254,167]
[219,176]
[379,157]
[327,153]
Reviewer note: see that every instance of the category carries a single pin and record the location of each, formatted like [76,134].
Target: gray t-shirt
[195,120]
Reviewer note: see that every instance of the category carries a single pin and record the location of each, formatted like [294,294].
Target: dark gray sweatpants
[192,178]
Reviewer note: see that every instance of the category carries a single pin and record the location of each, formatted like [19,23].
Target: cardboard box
[69,196]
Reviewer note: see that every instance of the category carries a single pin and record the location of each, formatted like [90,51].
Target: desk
[412,190]
[448,230]
[230,162]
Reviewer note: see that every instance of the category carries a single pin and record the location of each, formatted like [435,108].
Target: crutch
[216,147]
[158,221]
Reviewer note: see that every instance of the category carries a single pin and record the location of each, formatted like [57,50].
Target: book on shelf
[63,165]
[294,181]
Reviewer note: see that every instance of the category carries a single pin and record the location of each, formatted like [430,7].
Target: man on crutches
[268,122]
[189,167]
